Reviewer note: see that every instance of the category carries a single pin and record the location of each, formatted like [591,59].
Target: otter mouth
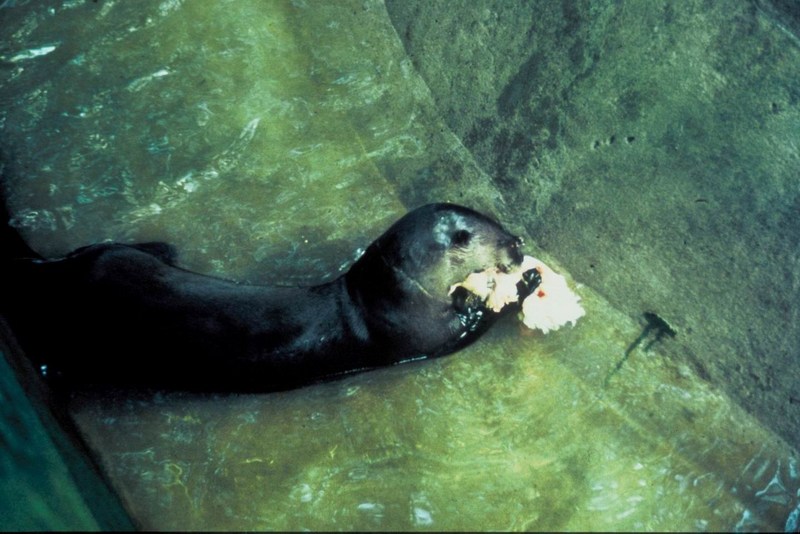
[487,293]
[507,282]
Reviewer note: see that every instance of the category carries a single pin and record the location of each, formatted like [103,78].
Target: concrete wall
[654,148]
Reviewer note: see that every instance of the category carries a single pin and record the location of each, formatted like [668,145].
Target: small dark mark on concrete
[655,325]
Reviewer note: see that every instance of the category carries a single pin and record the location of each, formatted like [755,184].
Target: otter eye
[460,238]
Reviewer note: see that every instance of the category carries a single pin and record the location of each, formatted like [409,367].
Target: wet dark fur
[126,314]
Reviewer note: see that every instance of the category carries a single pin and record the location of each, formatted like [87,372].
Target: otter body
[126,314]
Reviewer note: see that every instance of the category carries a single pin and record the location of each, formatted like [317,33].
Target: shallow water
[516,432]
[262,140]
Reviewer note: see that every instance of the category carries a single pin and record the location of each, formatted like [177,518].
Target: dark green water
[265,140]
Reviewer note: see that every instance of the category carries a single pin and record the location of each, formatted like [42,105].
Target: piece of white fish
[551,305]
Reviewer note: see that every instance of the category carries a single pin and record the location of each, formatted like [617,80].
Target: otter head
[438,245]
[404,277]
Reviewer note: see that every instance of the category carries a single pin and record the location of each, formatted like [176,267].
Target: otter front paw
[469,307]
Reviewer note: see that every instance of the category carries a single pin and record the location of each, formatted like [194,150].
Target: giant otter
[126,314]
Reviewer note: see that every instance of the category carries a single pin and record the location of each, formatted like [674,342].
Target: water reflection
[261,139]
